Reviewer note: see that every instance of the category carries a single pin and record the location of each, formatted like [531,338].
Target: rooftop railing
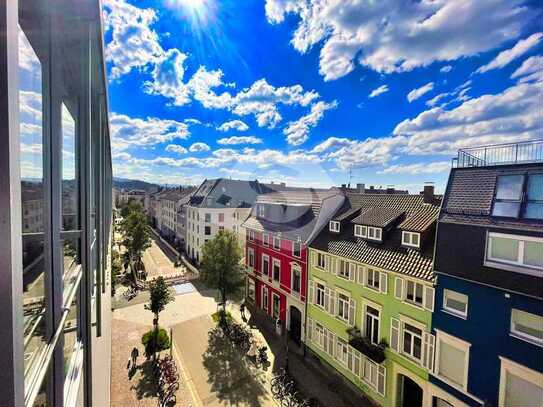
[500,154]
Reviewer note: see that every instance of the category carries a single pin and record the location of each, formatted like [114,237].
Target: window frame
[295,268]
[521,335]
[323,290]
[515,266]
[299,255]
[274,262]
[452,311]
[365,304]
[251,256]
[276,248]
[345,308]
[266,239]
[509,367]
[409,241]
[265,259]
[361,231]
[251,283]
[460,345]
[413,302]
[366,279]
[335,226]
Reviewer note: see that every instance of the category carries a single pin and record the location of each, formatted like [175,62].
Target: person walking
[134,354]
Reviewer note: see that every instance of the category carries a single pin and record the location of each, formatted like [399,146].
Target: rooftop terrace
[500,154]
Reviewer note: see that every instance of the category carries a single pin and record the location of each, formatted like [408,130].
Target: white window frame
[403,321]
[265,295]
[325,260]
[276,238]
[266,239]
[299,251]
[452,311]
[261,211]
[515,369]
[367,276]
[334,226]
[458,344]
[342,351]
[251,283]
[345,307]
[376,231]
[278,262]
[251,235]
[295,268]
[518,265]
[360,231]
[365,304]
[267,273]
[343,269]
[407,239]
[274,295]
[413,302]
[323,291]
[251,255]
[521,335]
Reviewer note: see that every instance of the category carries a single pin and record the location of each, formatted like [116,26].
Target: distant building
[122,197]
[488,321]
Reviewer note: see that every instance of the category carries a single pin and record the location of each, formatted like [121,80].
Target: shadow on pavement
[229,375]
[147,386]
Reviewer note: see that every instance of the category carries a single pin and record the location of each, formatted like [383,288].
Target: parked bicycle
[283,389]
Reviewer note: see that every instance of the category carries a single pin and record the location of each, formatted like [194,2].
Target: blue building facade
[488,317]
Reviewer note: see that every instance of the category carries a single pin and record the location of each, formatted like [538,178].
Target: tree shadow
[232,380]
[147,386]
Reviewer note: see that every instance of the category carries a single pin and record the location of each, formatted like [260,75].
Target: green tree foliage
[221,265]
[160,296]
[116,267]
[136,233]
[156,340]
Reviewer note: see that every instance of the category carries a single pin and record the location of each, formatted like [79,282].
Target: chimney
[343,186]
[361,188]
[428,192]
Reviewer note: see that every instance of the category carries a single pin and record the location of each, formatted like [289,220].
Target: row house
[169,202]
[181,220]
[488,321]
[218,204]
[280,227]
[371,295]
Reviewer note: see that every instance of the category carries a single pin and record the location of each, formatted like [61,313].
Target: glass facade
[56,159]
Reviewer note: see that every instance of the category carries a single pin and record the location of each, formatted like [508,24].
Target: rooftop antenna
[350,177]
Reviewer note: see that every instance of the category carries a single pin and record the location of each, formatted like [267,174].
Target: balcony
[366,347]
[500,154]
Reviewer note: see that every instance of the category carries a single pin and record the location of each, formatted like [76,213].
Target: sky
[318,93]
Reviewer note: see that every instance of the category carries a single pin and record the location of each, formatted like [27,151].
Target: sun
[198,12]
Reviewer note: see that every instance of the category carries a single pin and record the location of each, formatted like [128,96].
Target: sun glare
[199,12]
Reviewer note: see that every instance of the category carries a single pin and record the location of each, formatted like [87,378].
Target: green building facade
[370,299]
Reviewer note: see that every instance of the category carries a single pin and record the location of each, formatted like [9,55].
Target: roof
[295,213]
[225,193]
[381,210]
[176,194]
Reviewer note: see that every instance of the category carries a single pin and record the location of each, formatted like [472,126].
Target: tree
[155,340]
[221,266]
[137,235]
[160,296]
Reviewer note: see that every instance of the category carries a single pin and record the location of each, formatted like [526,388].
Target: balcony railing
[500,154]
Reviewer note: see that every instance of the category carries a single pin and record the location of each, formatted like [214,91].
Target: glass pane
[72,259]
[520,392]
[534,211]
[533,254]
[504,249]
[70,219]
[71,335]
[451,363]
[506,209]
[509,187]
[32,205]
[528,324]
[535,187]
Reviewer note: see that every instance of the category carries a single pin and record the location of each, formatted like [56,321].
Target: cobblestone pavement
[135,388]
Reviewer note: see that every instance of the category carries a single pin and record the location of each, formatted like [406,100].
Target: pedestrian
[134,354]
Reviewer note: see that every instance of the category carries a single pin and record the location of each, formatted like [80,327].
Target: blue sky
[308,92]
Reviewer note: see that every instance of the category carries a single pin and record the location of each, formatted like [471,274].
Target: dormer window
[360,231]
[374,233]
[411,239]
[261,211]
[368,232]
[334,226]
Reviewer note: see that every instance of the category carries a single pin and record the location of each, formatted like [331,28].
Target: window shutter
[360,275]
[350,361]
[309,329]
[357,362]
[327,263]
[383,277]
[428,352]
[352,272]
[324,340]
[326,299]
[381,380]
[352,311]
[332,303]
[333,265]
[311,298]
[395,334]
[398,289]
[429,293]
[331,342]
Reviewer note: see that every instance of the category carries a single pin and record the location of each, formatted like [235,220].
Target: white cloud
[446,68]
[297,132]
[394,36]
[199,147]
[128,131]
[509,55]
[192,121]
[370,151]
[133,43]
[233,125]
[167,77]
[176,148]
[330,144]
[233,172]
[239,140]
[376,92]
[435,100]
[417,168]
[530,70]
[417,93]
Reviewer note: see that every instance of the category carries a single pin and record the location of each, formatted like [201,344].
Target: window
[414,293]
[296,279]
[320,337]
[261,211]
[455,303]
[452,360]
[412,341]
[343,307]
[342,351]
[277,243]
[319,295]
[527,326]
[276,305]
[321,261]
[265,298]
[276,269]
[371,324]
[372,279]
[265,264]
[207,217]
[296,249]
[519,385]
[534,197]
[334,226]
[266,239]
[508,196]
[251,258]
[221,217]
[374,233]
[411,239]
[360,231]
[207,230]
[251,235]
[251,289]
[524,252]
[344,269]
